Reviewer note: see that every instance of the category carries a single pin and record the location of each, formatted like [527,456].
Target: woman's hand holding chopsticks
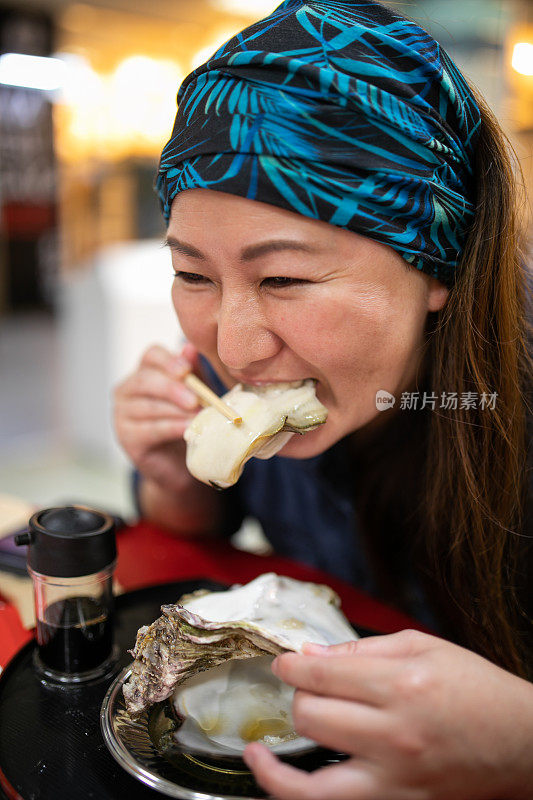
[153,406]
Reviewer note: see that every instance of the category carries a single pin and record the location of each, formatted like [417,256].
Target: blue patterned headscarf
[344,112]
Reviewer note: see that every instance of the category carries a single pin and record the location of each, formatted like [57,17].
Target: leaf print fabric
[344,112]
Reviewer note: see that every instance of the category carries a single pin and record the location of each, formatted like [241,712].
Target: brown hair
[476,475]
[463,487]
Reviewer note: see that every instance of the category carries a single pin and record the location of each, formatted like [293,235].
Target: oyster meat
[207,632]
[238,702]
[217,449]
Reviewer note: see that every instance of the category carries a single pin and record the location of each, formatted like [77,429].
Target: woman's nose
[243,334]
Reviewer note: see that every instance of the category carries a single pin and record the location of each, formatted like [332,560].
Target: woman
[342,207]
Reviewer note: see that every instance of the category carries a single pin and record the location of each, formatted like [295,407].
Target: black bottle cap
[70,541]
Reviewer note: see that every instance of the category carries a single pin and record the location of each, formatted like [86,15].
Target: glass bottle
[71,559]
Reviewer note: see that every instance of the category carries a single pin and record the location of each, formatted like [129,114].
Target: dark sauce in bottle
[76,635]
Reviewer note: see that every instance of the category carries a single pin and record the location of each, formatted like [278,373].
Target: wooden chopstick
[208,397]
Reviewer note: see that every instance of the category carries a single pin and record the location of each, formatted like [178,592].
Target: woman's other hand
[421,718]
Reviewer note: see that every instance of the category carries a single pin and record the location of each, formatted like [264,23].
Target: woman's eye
[280,282]
[189,277]
[276,281]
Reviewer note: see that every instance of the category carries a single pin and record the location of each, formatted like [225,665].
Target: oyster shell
[270,615]
[217,449]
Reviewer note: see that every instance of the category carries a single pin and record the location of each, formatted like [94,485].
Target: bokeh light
[522,59]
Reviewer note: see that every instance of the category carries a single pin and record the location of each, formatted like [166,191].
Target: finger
[148,408]
[344,781]
[175,364]
[367,680]
[145,435]
[341,725]
[191,354]
[342,649]
[152,383]
[405,643]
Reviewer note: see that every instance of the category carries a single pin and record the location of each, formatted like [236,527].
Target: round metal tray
[52,746]
[134,744]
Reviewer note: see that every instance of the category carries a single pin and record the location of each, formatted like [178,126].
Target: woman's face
[268,295]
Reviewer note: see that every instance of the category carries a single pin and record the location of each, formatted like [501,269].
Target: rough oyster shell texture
[270,615]
[217,449]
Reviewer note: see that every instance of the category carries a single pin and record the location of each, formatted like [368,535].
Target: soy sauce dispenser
[71,559]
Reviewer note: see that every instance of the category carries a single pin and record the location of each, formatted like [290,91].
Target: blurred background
[87,100]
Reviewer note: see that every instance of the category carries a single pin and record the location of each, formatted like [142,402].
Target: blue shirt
[306,512]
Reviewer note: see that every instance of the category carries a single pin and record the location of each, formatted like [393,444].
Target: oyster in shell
[238,702]
[213,651]
[217,449]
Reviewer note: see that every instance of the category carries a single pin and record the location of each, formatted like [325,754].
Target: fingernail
[311,647]
[187,398]
[275,666]
[180,366]
[248,758]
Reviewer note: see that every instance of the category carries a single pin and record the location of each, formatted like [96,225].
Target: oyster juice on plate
[217,449]
[212,652]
